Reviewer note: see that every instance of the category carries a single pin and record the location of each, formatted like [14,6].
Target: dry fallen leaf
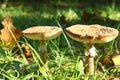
[62,20]
[116,60]
[9,33]
[27,52]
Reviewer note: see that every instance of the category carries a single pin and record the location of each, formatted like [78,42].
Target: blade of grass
[112,42]
[66,38]
[38,60]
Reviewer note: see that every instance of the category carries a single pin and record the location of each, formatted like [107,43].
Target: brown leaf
[86,16]
[26,51]
[62,20]
[9,33]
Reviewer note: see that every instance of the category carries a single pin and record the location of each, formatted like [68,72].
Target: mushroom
[42,33]
[91,34]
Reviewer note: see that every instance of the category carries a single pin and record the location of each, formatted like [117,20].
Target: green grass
[65,57]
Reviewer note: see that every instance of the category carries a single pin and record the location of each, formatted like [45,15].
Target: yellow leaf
[116,60]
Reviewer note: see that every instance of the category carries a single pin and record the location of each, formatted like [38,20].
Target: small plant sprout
[42,33]
[90,34]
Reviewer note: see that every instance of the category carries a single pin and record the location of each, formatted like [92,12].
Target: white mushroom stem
[90,53]
[43,50]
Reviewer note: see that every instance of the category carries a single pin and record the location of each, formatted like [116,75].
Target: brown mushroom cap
[91,33]
[42,32]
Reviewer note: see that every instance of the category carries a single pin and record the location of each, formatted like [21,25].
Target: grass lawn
[65,58]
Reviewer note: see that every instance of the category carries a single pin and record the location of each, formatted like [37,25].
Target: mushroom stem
[43,51]
[90,53]
[90,67]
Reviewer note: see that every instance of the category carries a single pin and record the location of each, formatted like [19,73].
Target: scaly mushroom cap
[42,32]
[91,33]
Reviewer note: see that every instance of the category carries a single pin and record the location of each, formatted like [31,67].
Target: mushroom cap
[42,32]
[91,33]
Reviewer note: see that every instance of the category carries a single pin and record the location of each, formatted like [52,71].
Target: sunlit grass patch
[112,13]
